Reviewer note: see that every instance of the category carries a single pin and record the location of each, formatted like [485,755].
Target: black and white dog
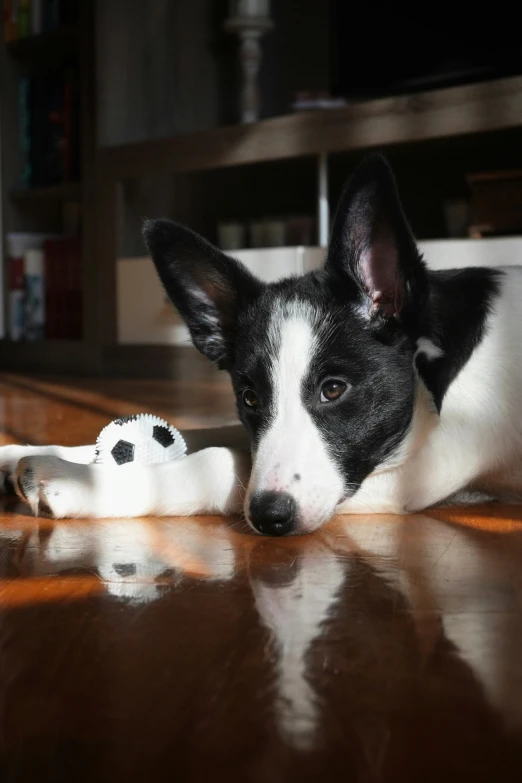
[371,385]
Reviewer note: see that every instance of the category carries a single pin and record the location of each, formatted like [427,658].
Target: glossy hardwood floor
[379,649]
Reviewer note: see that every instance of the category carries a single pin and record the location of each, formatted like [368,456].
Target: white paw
[53,487]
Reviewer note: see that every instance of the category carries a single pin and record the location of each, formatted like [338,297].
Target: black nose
[273,513]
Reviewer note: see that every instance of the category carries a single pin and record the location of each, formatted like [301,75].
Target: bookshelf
[419,117]
[41,207]
[442,133]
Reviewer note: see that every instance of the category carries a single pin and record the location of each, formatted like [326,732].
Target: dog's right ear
[207,287]
[372,244]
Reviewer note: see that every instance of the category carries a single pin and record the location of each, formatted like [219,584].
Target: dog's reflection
[363,661]
[137,559]
[365,654]
[295,588]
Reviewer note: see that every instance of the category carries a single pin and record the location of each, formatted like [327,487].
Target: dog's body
[371,385]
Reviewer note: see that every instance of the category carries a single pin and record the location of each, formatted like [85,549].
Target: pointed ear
[207,287]
[373,244]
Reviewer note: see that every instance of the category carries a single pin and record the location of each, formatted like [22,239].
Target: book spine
[36,17]
[25,130]
[16,298]
[50,289]
[51,14]
[14,20]
[67,130]
[34,295]
[6,19]
[10,21]
[77,297]
[24,18]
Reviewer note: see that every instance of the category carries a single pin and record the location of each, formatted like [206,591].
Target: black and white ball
[143,438]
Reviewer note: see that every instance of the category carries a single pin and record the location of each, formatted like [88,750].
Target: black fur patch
[459,302]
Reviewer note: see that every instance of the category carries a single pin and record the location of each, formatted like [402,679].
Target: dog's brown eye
[332,390]
[249,398]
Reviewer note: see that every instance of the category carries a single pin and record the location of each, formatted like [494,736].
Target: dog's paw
[10,456]
[52,487]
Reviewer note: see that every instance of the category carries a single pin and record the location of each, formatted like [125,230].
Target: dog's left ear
[373,244]
[207,287]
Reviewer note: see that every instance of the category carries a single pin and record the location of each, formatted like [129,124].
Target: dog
[370,385]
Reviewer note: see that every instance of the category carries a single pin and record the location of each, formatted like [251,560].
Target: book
[16,299]
[63,288]
[10,21]
[25,130]
[24,18]
[36,17]
[60,13]
[18,245]
[49,116]
[34,286]
[51,19]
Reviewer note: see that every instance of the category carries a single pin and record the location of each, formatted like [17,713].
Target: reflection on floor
[379,649]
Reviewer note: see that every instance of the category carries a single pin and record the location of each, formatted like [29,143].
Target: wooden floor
[379,649]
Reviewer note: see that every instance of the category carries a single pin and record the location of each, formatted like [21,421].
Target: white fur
[210,481]
[428,348]
[10,456]
[292,445]
[476,441]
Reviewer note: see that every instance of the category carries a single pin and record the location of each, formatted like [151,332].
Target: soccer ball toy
[142,438]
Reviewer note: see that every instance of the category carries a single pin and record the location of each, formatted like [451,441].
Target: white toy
[142,438]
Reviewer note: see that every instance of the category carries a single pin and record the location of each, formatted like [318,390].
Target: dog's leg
[211,481]
[469,497]
[10,456]
[432,477]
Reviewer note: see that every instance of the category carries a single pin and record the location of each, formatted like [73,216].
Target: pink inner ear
[379,267]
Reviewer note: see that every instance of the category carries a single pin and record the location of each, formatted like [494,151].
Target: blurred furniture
[289,165]
[242,172]
[250,20]
[496,202]
[65,207]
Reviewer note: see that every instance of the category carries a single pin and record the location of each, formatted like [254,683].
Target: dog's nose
[273,513]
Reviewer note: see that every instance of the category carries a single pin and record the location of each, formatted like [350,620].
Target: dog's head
[322,365]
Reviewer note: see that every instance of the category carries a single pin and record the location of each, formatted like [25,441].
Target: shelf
[435,114]
[68,356]
[51,45]
[64,191]
[78,357]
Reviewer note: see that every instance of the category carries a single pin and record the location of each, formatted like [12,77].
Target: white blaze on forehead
[292,455]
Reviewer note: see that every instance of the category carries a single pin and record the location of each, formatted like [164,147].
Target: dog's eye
[332,390]
[249,398]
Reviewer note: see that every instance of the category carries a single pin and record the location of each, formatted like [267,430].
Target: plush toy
[142,438]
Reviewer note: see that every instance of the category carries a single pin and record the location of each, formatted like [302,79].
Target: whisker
[241,484]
